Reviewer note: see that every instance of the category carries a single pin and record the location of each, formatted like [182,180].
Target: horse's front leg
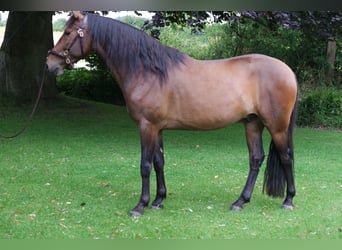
[158,163]
[148,138]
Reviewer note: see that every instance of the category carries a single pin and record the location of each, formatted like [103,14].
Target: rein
[29,119]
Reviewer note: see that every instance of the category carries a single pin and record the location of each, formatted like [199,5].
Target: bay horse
[167,89]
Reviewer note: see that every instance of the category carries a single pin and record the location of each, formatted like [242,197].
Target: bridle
[65,55]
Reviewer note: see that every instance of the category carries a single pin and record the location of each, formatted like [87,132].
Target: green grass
[74,174]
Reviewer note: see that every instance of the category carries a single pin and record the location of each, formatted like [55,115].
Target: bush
[321,108]
[90,85]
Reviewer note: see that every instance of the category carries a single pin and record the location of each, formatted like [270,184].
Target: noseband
[65,55]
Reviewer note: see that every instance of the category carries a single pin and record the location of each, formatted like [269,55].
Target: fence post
[331,55]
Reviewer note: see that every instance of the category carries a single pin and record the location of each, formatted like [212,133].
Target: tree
[27,39]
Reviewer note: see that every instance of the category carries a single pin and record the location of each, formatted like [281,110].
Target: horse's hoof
[287,207]
[157,206]
[235,208]
[135,214]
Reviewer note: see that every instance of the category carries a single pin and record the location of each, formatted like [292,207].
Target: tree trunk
[27,39]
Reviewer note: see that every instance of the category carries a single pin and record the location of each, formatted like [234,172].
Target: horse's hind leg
[254,130]
[158,162]
[284,147]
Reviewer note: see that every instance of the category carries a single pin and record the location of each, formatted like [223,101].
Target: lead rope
[29,119]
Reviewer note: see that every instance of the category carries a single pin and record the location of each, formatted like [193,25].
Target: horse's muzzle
[55,69]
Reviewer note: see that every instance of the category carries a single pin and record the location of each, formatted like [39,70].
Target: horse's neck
[110,65]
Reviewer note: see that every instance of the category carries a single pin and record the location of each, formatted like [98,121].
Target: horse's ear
[78,14]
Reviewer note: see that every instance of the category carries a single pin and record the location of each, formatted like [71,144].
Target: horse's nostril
[56,71]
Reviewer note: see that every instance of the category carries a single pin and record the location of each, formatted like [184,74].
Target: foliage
[193,44]
[74,174]
[252,37]
[194,19]
[59,24]
[137,22]
[321,107]
[90,85]
[315,24]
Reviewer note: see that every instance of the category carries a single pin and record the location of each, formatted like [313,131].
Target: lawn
[74,174]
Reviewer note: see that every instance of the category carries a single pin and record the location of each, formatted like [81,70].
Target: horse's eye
[67,33]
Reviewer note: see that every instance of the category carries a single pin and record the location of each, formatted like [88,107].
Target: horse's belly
[205,117]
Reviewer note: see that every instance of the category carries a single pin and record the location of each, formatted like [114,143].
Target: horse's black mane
[131,49]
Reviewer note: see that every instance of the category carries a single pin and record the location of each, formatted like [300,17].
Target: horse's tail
[274,179]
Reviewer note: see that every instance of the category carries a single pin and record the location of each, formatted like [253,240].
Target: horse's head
[74,44]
